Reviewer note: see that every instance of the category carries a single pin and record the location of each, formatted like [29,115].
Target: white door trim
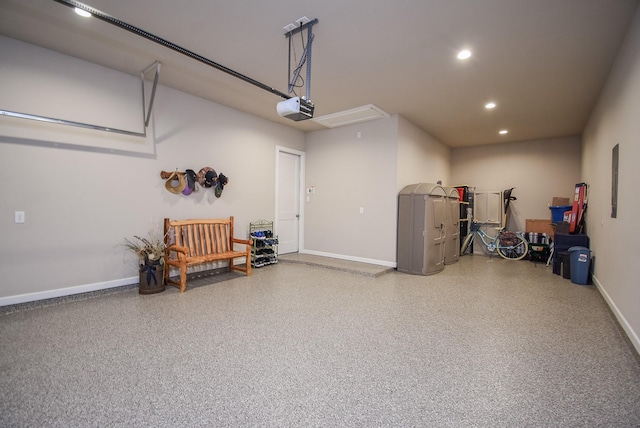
[301,196]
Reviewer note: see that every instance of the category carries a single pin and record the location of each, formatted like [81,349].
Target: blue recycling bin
[557,212]
[580,264]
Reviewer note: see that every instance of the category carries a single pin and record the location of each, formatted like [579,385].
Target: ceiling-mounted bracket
[294,29]
[294,75]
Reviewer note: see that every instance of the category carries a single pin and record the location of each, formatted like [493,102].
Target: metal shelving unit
[265,243]
[466,211]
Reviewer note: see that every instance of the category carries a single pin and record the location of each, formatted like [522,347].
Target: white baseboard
[633,337]
[350,258]
[67,291]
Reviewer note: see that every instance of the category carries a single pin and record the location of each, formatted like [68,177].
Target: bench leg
[246,269]
[166,273]
[183,278]
[181,283]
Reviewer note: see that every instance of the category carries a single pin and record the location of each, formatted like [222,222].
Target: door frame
[301,195]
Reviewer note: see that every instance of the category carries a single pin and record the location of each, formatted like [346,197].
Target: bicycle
[509,245]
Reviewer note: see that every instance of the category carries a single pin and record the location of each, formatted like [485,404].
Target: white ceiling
[542,61]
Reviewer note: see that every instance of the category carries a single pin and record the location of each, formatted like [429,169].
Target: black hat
[222,180]
[191,177]
[202,176]
[210,179]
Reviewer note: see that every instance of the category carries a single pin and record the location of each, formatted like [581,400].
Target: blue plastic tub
[557,212]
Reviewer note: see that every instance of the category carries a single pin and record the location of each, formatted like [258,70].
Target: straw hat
[176,182]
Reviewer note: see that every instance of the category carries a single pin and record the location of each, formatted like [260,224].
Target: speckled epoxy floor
[487,342]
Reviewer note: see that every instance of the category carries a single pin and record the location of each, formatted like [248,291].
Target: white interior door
[288,205]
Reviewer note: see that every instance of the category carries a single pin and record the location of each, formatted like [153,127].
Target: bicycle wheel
[465,244]
[514,252]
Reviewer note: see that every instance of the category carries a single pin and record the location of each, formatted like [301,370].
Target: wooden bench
[194,242]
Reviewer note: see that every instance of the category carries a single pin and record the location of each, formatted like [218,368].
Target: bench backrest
[201,236]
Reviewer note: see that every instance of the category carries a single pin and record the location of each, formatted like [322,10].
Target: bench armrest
[242,241]
[184,251]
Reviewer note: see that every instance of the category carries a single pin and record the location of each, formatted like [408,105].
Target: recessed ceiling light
[82,12]
[464,54]
[503,132]
[490,105]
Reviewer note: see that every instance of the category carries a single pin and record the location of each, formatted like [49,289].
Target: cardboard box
[559,201]
[539,226]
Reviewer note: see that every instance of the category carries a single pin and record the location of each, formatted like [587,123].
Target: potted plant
[150,252]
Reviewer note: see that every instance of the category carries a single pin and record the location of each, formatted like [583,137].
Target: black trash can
[565,263]
[580,264]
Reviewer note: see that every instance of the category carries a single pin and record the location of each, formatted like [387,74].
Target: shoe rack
[265,244]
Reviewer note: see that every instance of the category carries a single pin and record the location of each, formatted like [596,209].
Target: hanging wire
[295,61]
[299,80]
[304,52]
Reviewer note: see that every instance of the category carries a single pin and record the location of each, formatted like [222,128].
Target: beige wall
[352,167]
[421,158]
[365,165]
[539,170]
[80,203]
[615,121]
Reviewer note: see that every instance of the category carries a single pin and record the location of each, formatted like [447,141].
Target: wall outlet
[19,217]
